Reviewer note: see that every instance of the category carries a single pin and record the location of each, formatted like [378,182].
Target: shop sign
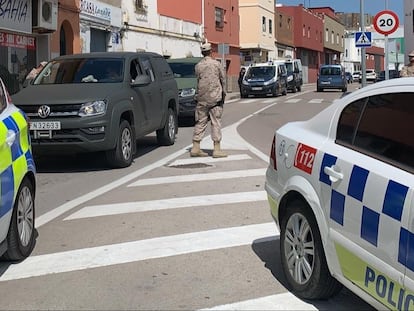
[96,9]
[17,41]
[16,15]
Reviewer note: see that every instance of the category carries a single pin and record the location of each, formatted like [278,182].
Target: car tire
[21,235]
[299,88]
[302,254]
[344,89]
[319,89]
[122,154]
[294,89]
[284,91]
[167,135]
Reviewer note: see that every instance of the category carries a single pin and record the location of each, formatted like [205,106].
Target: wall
[68,18]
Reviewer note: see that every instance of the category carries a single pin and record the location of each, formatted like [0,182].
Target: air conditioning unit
[44,16]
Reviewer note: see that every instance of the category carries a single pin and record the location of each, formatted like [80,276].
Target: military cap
[205,47]
[411,54]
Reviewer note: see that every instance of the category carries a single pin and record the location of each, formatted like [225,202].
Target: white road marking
[115,254]
[269,101]
[199,177]
[316,101]
[195,160]
[284,301]
[293,100]
[165,204]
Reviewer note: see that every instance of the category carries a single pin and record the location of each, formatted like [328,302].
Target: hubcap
[299,248]
[171,126]
[25,219]
[126,144]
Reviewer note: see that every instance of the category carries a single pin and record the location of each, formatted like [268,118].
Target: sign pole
[363,59]
[387,73]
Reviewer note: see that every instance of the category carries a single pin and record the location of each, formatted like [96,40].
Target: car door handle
[333,173]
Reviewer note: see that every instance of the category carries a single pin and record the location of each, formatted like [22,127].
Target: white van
[294,74]
[264,79]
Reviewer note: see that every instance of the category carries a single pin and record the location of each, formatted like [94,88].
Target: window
[326,34]
[288,23]
[392,141]
[337,38]
[280,21]
[332,37]
[140,5]
[309,32]
[263,24]
[219,17]
[304,31]
[147,68]
[270,26]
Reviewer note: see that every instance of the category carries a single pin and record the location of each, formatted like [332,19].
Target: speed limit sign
[386,22]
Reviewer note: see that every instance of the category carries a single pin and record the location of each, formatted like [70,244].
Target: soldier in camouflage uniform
[210,100]
[408,70]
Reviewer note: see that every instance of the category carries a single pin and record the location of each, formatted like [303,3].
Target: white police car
[17,182]
[341,189]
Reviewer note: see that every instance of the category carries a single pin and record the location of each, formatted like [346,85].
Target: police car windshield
[82,70]
[260,72]
[289,67]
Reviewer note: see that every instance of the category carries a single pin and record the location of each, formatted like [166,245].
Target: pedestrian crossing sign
[362,39]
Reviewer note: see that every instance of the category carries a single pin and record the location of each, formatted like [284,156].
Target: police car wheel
[122,154]
[302,255]
[166,136]
[21,235]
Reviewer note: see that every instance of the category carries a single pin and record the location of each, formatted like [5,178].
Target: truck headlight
[271,81]
[94,108]
[187,92]
[289,78]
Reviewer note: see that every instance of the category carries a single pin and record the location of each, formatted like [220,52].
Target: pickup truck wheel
[302,254]
[121,156]
[166,135]
[21,235]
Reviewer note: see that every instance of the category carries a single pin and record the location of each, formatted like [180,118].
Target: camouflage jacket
[407,71]
[210,80]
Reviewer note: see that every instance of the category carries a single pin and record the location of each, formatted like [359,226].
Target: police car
[17,182]
[341,190]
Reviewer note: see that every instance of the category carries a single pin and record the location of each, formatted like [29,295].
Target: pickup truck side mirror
[141,80]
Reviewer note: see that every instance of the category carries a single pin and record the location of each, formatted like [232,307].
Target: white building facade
[100,26]
[146,30]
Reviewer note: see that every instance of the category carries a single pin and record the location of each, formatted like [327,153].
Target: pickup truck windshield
[82,70]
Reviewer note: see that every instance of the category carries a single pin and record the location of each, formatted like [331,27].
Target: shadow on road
[86,162]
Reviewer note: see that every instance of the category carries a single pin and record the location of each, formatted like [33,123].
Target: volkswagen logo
[43,111]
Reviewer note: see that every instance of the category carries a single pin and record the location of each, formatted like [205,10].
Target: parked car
[370,76]
[17,182]
[341,191]
[349,77]
[294,74]
[184,74]
[356,75]
[331,77]
[392,75]
[265,79]
[101,101]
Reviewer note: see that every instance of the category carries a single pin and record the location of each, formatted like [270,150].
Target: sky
[370,6]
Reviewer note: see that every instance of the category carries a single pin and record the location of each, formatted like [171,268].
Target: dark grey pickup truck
[101,101]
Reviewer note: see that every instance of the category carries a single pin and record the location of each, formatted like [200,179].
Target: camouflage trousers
[203,114]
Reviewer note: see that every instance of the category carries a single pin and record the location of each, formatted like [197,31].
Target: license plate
[45,125]
[256,88]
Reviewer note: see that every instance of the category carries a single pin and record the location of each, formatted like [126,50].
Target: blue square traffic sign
[362,39]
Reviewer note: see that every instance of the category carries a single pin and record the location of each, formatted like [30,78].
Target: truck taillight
[273,154]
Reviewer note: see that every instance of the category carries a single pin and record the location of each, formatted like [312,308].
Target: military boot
[196,151]
[218,153]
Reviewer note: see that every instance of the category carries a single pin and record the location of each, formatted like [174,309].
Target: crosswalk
[230,189]
[287,101]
